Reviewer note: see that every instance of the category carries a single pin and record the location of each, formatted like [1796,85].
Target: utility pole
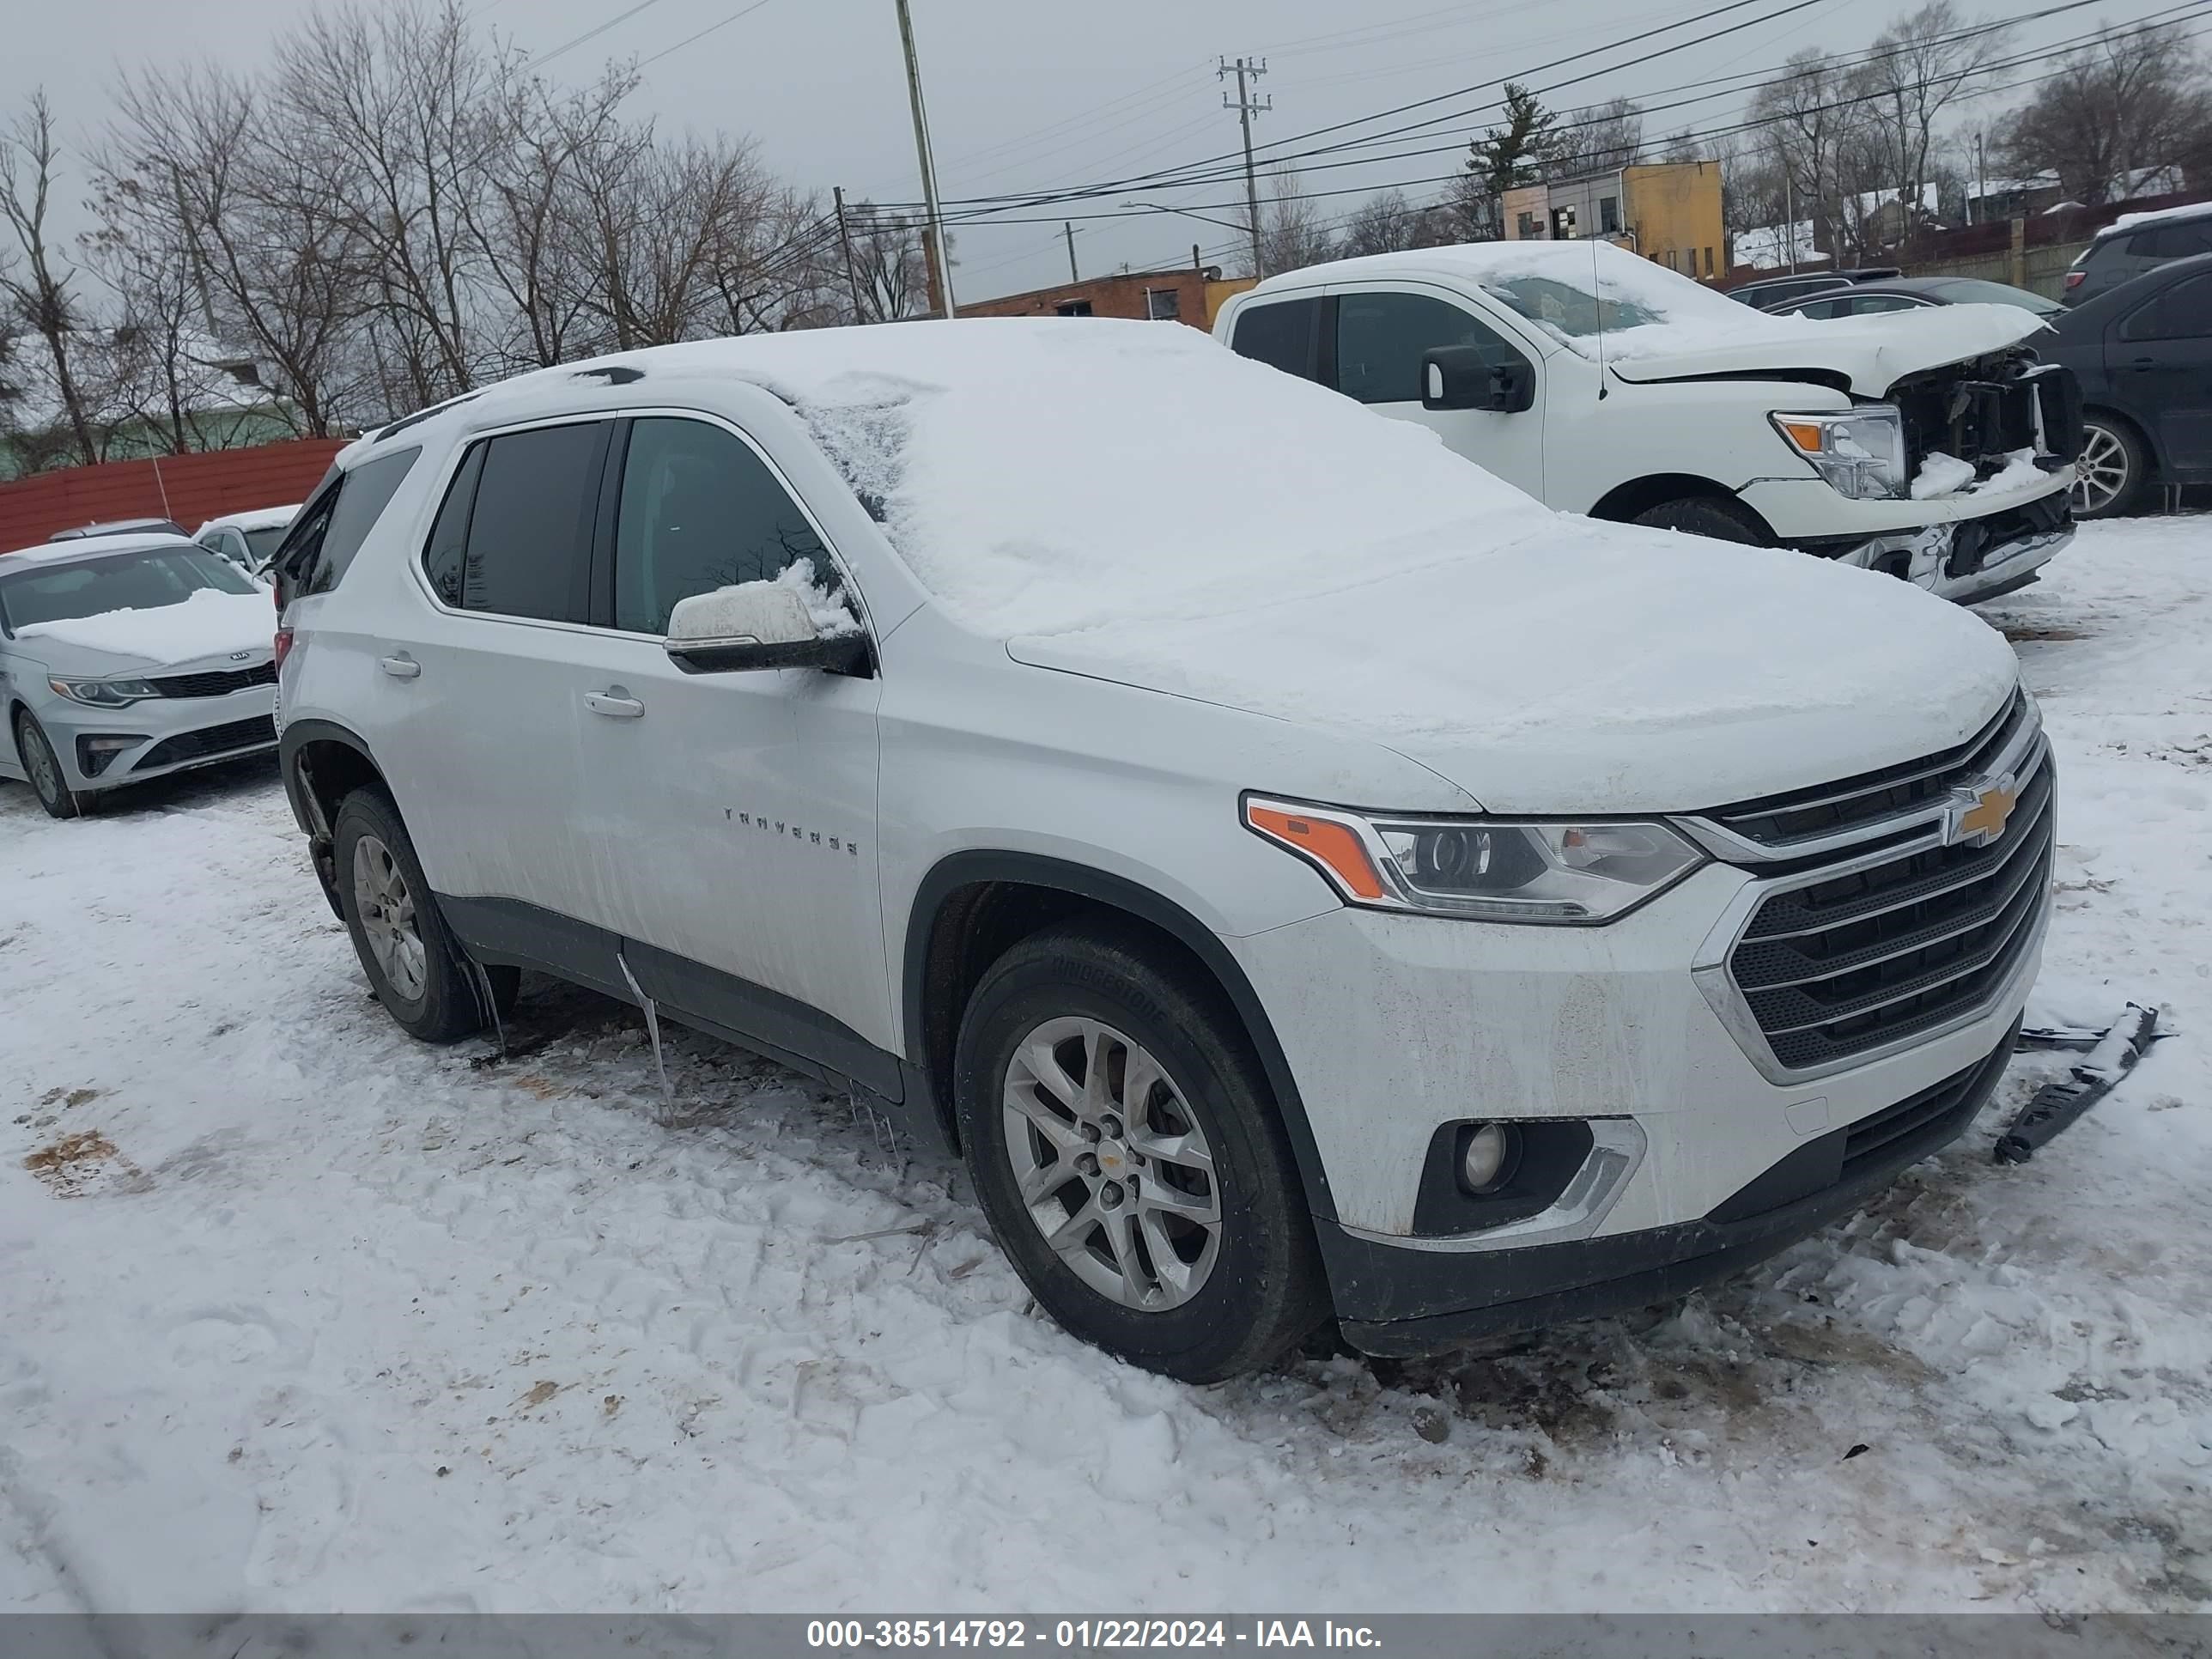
[938,253]
[1981,182]
[1247,69]
[845,241]
[1067,229]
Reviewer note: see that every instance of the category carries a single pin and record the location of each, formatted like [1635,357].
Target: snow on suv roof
[90,547]
[1647,309]
[2128,221]
[1046,475]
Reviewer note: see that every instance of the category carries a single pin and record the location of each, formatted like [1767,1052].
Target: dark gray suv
[2136,243]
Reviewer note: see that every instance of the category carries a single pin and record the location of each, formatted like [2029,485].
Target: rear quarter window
[320,546]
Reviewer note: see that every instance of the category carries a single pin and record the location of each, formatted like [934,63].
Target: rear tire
[2111,472]
[1709,516]
[43,768]
[1114,1101]
[414,965]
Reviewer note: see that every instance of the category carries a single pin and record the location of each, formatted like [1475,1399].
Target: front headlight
[104,694]
[1486,868]
[1860,452]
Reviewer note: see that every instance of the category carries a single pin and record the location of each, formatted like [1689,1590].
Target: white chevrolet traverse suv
[1301,875]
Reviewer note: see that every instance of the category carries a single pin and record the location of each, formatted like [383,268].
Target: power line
[1189,176]
[2196,7]
[591,33]
[742,12]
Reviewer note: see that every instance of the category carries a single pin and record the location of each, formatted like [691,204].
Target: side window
[2173,241]
[1869,305]
[1281,335]
[700,511]
[528,546]
[443,554]
[296,554]
[363,495]
[2183,311]
[1820,308]
[1380,339]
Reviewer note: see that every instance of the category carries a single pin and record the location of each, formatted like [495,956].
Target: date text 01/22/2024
[1086,1633]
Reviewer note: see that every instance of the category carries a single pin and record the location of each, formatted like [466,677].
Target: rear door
[474,699]
[730,818]
[2159,359]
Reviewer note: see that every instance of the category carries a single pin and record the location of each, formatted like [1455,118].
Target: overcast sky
[1029,94]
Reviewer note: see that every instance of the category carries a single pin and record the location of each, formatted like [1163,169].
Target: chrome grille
[1894,929]
[1803,818]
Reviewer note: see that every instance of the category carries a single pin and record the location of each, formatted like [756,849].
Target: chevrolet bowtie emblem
[1977,812]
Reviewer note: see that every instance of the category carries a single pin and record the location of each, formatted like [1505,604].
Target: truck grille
[1779,822]
[209,741]
[217,683]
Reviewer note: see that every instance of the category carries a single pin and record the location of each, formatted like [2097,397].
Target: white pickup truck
[1929,444]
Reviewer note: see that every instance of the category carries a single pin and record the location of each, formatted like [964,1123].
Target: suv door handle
[614,708]
[401,667]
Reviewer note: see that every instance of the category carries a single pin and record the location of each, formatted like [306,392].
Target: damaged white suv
[1929,444]
[1302,876]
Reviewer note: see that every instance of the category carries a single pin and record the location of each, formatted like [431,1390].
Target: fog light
[93,754]
[1483,1160]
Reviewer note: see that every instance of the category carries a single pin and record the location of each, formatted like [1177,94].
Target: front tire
[1125,1145]
[2109,474]
[414,965]
[43,766]
[1708,516]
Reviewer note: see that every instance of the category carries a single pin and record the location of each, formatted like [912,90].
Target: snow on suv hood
[1133,501]
[1874,352]
[1592,668]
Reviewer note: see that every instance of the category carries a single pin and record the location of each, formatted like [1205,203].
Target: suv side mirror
[755,625]
[1463,377]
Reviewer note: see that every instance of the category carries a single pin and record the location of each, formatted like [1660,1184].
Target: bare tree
[1386,222]
[1603,138]
[1921,65]
[889,261]
[1293,234]
[529,220]
[2134,99]
[35,281]
[1813,135]
[274,259]
[392,116]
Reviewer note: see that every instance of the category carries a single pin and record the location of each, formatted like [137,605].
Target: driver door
[1379,335]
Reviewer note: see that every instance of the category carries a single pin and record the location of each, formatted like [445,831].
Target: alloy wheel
[1111,1165]
[386,908]
[2101,476]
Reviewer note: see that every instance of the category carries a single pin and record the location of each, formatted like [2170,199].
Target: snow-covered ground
[296,1315]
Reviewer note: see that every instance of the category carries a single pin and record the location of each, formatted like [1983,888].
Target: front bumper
[1394,1025]
[1965,549]
[168,734]
[1404,1303]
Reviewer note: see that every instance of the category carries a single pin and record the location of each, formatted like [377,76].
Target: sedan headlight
[105,693]
[1860,452]
[1490,869]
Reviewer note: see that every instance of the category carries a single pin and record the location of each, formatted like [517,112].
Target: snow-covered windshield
[143,580]
[1599,299]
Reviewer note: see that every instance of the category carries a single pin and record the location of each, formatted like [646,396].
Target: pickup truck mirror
[1464,377]
[756,625]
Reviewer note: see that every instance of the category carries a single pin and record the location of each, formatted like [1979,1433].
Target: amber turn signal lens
[1332,846]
